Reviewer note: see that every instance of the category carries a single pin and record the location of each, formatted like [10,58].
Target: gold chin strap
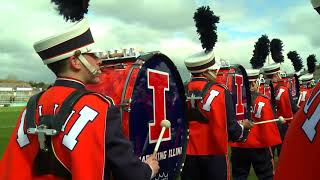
[93,70]
[210,75]
[279,75]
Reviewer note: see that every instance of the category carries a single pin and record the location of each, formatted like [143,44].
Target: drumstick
[299,100]
[281,119]
[164,124]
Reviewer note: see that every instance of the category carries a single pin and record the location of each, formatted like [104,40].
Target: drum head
[241,93]
[158,94]
[236,80]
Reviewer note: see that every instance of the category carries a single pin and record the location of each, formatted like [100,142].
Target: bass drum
[235,79]
[149,89]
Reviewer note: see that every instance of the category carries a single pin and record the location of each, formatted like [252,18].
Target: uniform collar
[69,82]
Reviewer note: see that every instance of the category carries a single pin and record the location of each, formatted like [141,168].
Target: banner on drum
[164,154]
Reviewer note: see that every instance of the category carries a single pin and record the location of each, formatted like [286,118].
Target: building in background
[16,94]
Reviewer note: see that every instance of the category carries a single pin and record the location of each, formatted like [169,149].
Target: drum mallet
[164,124]
[280,119]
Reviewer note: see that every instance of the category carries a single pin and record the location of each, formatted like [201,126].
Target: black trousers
[205,168]
[260,158]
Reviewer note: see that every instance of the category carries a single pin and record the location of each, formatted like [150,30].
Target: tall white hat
[64,45]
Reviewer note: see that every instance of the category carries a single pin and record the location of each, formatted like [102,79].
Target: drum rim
[245,84]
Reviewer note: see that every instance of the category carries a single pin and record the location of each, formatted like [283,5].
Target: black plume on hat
[206,27]
[72,10]
[260,52]
[254,61]
[296,60]
[316,5]
[276,46]
[311,63]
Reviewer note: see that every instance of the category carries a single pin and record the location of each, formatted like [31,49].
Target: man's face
[94,62]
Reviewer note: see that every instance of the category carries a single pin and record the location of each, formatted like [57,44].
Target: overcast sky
[163,25]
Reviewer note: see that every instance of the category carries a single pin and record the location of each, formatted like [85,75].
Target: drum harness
[194,114]
[46,161]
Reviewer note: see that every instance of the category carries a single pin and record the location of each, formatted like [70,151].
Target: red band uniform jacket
[299,157]
[284,102]
[212,138]
[262,135]
[88,147]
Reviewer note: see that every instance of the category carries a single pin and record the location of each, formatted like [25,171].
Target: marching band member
[307,81]
[66,132]
[257,149]
[300,153]
[211,115]
[212,122]
[300,150]
[281,99]
[307,84]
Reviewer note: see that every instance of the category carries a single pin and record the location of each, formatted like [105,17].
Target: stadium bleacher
[15,94]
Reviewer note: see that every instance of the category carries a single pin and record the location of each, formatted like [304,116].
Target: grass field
[8,118]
